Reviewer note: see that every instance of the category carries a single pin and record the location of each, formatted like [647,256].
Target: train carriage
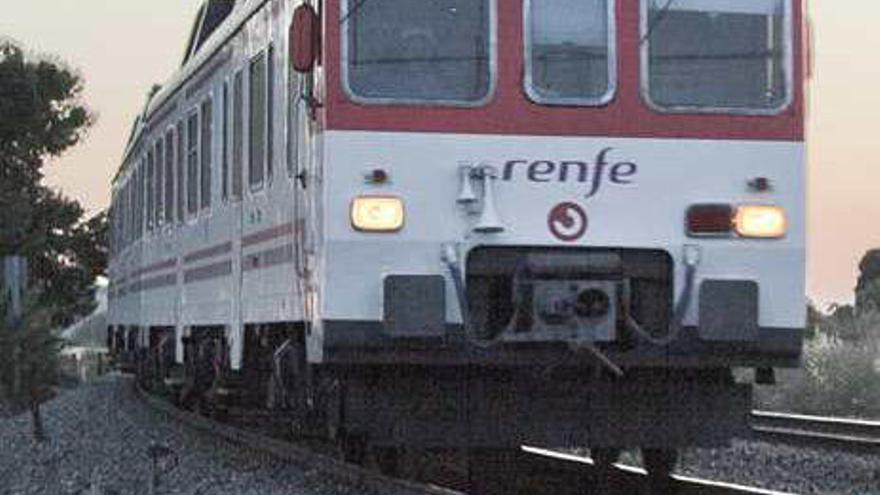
[473,223]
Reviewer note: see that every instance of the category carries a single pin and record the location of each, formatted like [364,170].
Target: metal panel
[415,305]
[729,310]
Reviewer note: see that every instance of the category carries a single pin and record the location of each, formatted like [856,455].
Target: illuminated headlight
[377,213]
[765,222]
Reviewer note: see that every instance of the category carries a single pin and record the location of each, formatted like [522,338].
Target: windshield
[568,51]
[718,54]
[432,51]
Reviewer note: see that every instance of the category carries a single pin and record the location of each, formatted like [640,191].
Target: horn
[466,194]
[490,221]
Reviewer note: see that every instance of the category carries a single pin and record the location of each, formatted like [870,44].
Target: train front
[558,222]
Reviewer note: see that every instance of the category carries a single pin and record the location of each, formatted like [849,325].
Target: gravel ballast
[100,434]
[785,468]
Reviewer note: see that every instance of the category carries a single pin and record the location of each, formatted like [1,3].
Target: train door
[303,167]
[236,115]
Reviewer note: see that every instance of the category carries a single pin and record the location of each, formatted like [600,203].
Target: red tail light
[710,220]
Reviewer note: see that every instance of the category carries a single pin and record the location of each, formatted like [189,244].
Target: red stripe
[267,235]
[162,265]
[265,259]
[208,272]
[510,111]
[210,252]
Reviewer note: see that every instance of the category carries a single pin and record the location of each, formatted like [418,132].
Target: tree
[30,370]
[41,116]
[868,288]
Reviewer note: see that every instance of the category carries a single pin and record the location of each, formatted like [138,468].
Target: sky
[122,47]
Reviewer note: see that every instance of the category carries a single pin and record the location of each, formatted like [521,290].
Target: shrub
[839,376]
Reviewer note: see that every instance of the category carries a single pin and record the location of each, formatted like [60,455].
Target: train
[471,225]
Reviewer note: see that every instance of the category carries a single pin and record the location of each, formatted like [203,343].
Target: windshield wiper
[654,22]
[352,11]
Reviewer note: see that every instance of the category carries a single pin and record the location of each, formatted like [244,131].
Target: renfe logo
[595,174]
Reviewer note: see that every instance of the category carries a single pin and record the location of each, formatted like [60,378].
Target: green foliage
[41,116]
[840,374]
[868,287]
[29,368]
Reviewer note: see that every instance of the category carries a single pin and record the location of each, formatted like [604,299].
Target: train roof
[217,21]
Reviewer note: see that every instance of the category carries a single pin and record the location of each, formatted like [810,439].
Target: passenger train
[472,224]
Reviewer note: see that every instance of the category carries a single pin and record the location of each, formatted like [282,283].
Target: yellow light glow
[764,222]
[377,213]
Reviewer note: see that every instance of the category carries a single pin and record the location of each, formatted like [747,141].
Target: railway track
[851,435]
[531,471]
[264,446]
[566,469]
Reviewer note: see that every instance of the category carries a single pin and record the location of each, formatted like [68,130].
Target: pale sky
[122,47]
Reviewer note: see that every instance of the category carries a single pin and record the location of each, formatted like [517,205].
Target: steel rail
[858,436]
[261,445]
[630,479]
[565,473]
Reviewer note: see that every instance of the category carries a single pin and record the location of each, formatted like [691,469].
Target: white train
[473,223]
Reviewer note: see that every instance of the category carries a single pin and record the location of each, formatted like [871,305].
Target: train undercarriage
[387,415]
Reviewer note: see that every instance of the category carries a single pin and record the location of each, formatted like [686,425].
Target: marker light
[765,222]
[377,213]
[709,220]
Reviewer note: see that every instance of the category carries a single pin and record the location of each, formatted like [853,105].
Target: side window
[706,55]
[151,202]
[123,215]
[159,184]
[206,141]
[257,136]
[179,171]
[169,177]
[570,51]
[224,149]
[270,109]
[134,199]
[293,121]
[192,163]
[138,201]
[237,135]
[126,212]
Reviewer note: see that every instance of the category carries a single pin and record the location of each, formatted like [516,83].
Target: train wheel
[659,463]
[604,459]
[353,448]
[388,461]
[493,471]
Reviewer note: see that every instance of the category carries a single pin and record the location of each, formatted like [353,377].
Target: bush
[839,376]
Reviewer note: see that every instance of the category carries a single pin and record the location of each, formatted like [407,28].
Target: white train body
[607,184]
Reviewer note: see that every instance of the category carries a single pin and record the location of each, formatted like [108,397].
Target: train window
[293,120]
[159,184]
[405,51]
[127,219]
[192,163]
[206,141]
[570,50]
[224,160]
[257,141]
[237,134]
[270,104]
[169,177]
[151,202]
[136,201]
[706,55]
[181,208]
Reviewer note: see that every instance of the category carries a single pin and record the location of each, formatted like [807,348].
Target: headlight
[765,222]
[377,213]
